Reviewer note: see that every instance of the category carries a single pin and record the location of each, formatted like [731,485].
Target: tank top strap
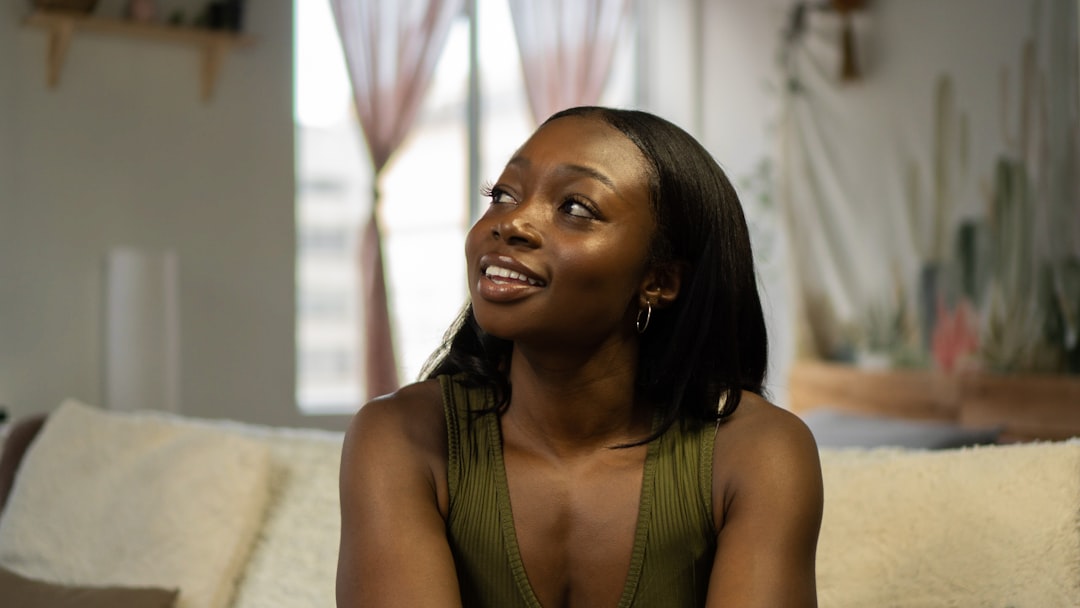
[460,402]
[682,537]
[479,524]
[707,439]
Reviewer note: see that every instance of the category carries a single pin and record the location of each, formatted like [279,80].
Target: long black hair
[701,352]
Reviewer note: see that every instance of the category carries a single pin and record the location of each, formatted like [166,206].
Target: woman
[594,432]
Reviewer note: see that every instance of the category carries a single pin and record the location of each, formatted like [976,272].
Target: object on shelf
[142,10]
[226,15]
[74,6]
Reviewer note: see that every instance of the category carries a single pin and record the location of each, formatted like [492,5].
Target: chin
[493,327]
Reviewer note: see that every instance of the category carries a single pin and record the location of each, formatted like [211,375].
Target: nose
[517,227]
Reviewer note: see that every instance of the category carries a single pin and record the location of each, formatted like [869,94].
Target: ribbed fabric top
[675,539]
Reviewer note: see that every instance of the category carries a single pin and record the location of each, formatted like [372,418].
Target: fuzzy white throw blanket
[294,561]
[138,500]
[995,526]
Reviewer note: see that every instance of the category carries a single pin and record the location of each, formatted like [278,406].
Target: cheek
[606,267]
[473,238]
[475,232]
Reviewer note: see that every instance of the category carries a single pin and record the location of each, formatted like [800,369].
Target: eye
[496,195]
[579,208]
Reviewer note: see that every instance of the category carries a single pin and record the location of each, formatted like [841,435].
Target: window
[426,194]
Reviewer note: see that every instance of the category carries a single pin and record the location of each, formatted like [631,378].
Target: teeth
[497,271]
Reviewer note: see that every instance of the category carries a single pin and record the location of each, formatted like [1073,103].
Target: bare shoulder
[759,426]
[767,506]
[410,413]
[764,445]
[394,499]
[400,433]
[413,415]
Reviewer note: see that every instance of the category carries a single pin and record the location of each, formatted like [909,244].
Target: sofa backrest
[984,526]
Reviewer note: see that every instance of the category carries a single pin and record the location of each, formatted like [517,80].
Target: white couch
[989,526]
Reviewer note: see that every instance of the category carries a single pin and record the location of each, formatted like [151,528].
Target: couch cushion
[294,561]
[982,526]
[136,499]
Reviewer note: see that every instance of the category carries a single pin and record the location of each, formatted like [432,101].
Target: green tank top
[675,539]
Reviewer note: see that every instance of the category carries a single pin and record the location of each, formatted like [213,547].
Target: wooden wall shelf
[61,27]
[1024,406]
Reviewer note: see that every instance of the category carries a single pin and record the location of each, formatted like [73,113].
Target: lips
[504,279]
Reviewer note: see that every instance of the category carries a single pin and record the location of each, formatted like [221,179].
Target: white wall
[123,152]
[708,68]
[7,82]
[670,60]
[7,194]
[739,89]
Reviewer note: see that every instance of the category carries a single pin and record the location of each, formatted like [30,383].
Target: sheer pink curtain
[391,49]
[566,50]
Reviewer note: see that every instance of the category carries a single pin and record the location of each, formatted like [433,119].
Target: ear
[661,284]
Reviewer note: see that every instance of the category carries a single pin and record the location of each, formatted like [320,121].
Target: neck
[567,404]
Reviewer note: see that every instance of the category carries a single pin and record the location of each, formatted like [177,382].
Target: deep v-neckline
[509,532]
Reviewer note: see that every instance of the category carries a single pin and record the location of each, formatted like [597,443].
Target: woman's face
[561,254]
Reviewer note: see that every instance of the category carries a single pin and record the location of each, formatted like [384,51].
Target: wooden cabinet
[212,45]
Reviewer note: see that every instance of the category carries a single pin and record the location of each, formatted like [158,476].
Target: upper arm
[769,506]
[394,550]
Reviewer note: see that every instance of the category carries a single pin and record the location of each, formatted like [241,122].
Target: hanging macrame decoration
[849,64]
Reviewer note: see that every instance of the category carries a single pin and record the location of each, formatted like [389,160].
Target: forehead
[587,143]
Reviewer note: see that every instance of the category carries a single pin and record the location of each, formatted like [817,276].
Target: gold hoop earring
[640,325]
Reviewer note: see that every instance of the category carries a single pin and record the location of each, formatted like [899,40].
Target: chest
[576,524]
[527,535]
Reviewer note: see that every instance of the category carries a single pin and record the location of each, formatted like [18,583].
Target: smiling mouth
[500,274]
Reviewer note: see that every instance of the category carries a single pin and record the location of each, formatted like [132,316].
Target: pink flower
[956,335]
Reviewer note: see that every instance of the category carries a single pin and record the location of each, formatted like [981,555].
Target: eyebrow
[525,163]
